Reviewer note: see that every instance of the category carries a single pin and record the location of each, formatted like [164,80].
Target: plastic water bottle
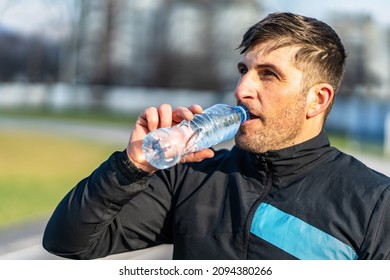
[165,147]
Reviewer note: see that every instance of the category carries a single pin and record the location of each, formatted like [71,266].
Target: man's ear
[319,98]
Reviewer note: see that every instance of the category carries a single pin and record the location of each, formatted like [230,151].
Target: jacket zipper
[268,186]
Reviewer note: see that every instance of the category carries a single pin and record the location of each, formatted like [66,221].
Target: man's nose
[245,89]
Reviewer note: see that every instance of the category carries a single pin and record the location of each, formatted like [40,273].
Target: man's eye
[242,71]
[268,73]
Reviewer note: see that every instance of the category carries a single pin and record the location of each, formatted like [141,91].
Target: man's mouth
[256,117]
[252,116]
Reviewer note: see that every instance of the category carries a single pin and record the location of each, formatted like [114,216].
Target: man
[281,193]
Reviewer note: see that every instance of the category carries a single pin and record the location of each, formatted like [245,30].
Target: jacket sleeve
[376,244]
[112,211]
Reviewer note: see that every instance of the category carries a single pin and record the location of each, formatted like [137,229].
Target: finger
[150,118]
[181,113]
[165,115]
[198,156]
[196,109]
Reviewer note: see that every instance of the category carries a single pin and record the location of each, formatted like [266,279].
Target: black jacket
[309,201]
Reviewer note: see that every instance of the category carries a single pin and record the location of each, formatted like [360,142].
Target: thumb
[198,156]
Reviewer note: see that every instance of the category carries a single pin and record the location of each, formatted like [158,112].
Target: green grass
[37,170]
[79,115]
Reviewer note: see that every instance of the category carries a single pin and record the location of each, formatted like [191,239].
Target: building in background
[362,106]
[368,49]
[162,43]
[171,44]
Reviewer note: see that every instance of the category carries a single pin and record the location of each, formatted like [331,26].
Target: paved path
[24,241]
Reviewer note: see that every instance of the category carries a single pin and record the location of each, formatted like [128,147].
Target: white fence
[122,99]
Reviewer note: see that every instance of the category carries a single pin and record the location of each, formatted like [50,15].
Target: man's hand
[153,118]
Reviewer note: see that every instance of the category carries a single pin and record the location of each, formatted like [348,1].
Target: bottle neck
[243,112]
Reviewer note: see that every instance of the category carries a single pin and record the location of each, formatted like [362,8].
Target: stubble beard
[273,133]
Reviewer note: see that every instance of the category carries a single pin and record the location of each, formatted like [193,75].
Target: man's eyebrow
[260,66]
[270,66]
[278,71]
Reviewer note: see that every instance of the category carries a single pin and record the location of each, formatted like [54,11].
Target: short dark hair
[321,54]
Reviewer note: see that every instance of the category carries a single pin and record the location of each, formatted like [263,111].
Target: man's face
[271,87]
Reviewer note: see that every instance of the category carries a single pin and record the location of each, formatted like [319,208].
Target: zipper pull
[264,162]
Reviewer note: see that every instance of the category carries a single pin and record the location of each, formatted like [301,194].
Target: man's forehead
[270,51]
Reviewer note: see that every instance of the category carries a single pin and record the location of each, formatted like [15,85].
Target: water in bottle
[165,147]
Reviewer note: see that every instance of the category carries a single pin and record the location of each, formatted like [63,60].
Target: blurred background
[74,75]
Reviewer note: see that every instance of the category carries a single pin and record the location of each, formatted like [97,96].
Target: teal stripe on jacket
[297,237]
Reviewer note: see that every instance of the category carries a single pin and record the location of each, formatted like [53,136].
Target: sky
[51,17]
[378,9]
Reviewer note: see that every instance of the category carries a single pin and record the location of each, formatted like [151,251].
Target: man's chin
[244,143]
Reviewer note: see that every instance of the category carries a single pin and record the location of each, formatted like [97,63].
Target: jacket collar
[294,159]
